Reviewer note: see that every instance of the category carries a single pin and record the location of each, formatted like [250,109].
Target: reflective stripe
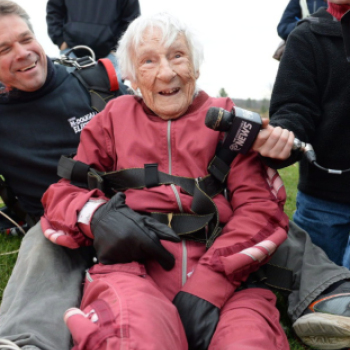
[184,262]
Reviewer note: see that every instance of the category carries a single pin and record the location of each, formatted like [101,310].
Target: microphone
[242,128]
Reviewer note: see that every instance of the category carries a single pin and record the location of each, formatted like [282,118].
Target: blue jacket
[292,13]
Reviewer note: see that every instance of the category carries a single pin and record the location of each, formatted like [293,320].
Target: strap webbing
[151,175]
[274,276]
[278,277]
[203,225]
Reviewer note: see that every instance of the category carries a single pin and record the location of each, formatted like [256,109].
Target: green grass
[290,179]
[8,255]
[9,244]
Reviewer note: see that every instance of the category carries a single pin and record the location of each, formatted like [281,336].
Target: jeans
[111,56]
[327,223]
[46,280]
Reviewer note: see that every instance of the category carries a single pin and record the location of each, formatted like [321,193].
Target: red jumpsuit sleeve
[63,201]
[255,230]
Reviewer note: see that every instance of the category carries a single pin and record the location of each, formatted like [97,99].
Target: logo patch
[78,124]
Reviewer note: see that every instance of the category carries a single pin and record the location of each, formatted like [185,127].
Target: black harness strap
[202,226]
[101,85]
[135,178]
[274,276]
[151,175]
[99,100]
[219,169]
[79,172]
[278,277]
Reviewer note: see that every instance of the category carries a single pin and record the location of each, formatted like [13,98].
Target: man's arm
[56,13]
[295,108]
[129,10]
[288,21]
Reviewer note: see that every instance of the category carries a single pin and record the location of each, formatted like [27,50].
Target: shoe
[325,324]
[7,344]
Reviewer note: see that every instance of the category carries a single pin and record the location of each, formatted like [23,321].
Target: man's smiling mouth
[169,92]
[29,67]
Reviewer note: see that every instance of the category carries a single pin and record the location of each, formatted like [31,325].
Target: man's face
[23,62]
[164,75]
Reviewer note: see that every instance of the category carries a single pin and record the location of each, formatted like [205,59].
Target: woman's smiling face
[164,75]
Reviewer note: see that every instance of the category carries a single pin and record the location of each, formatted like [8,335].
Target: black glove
[121,235]
[199,318]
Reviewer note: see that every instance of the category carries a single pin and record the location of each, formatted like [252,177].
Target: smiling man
[38,102]
[23,63]
[42,111]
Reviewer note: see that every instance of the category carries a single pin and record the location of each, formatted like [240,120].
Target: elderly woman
[143,264]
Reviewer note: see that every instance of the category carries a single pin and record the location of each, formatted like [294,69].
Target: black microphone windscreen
[214,117]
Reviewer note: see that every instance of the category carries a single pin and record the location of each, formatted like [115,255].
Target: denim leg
[63,52]
[327,223]
[346,257]
[113,58]
[45,282]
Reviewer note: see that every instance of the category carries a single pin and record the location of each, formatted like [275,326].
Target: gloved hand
[121,235]
[199,318]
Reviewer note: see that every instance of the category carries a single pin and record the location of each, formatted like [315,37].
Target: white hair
[170,28]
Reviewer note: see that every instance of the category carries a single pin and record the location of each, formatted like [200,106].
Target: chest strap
[202,226]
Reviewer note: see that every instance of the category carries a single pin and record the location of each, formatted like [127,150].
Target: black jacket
[293,11]
[98,24]
[36,129]
[311,97]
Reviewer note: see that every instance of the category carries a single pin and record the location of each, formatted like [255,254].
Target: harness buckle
[170,217]
[83,62]
[77,62]
[95,180]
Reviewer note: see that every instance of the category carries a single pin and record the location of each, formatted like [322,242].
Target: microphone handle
[298,145]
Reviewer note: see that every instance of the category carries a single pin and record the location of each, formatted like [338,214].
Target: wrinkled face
[164,75]
[23,62]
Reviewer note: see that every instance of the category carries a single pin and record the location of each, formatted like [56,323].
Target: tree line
[259,106]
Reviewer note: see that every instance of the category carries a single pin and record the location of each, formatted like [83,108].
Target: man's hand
[274,142]
[63,46]
[199,318]
[122,235]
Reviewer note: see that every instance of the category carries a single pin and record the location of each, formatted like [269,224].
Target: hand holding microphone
[246,130]
[274,142]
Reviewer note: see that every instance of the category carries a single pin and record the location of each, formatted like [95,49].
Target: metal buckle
[77,62]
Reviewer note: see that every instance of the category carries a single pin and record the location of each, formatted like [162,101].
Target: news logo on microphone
[242,127]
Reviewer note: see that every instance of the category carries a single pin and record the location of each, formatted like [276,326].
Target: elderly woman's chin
[171,106]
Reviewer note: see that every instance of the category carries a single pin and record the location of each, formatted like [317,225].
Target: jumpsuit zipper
[177,196]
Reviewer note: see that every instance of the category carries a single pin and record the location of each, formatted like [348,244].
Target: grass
[9,244]
[8,255]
